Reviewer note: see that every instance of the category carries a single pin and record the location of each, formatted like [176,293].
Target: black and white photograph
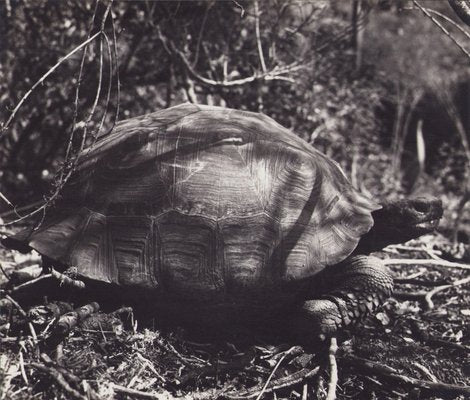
[234,199]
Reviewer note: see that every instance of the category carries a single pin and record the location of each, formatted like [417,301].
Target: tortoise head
[401,220]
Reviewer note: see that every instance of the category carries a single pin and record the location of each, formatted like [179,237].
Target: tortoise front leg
[345,293]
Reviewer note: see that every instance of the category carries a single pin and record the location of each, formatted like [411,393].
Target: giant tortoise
[219,209]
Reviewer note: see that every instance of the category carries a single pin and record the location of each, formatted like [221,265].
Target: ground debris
[406,350]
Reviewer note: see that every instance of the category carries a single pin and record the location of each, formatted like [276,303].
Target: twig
[118,79]
[424,336]
[375,368]
[427,296]
[281,383]
[441,27]
[63,279]
[148,364]
[419,282]
[23,372]
[273,372]
[41,80]
[462,9]
[413,296]
[59,379]
[144,395]
[23,313]
[450,21]
[394,247]
[5,199]
[70,161]
[21,209]
[305,391]
[201,32]
[276,73]
[333,369]
[258,37]
[4,272]
[77,97]
[237,364]
[424,370]
[438,263]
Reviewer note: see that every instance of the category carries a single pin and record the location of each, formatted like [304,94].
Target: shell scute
[189,255]
[131,250]
[249,246]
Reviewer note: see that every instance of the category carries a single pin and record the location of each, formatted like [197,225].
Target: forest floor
[415,347]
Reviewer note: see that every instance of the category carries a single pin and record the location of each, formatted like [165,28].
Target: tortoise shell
[201,201]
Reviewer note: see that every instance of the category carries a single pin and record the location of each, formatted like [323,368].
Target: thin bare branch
[441,27]
[276,73]
[450,21]
[71,160]
[261,393]
[118,79]
[258,37]
[4,198]
[437,263]
[428,296]
[23,313]
[375,368]
[462,9]
[333,369]
[43,78]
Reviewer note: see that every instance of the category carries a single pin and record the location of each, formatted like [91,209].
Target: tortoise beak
[425,213]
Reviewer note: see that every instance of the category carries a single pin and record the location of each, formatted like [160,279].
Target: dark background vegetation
[362,80]
[375,84]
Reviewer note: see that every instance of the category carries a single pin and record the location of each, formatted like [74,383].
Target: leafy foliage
[295,61]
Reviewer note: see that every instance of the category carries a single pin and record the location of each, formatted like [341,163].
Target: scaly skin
[351,290]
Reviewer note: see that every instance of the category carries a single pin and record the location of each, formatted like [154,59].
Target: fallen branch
[395,249]
[23,314]
[438,263]
[419,282]
[375,368]
[272,373]
[281,383]
[333,369]
[426,297]
[424,336]
[67,374]
[237,364]
[63,280]
[59,379]
[144,395]
[71,319]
